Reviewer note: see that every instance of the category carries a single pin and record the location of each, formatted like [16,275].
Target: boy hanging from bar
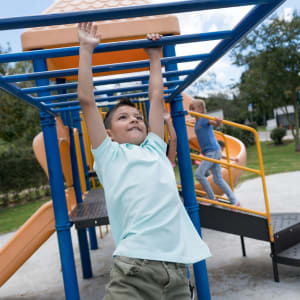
[154,237]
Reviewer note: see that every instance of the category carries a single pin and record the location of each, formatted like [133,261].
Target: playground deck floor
[231,276]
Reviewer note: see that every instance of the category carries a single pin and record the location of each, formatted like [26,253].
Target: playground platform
[231,276]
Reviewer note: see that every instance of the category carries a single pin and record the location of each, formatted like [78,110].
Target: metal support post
[81,233]
[76,124]
[56,180]
[186,174]
[60,208]
[82,236]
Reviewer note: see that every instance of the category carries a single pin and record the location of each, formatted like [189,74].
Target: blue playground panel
[67,104]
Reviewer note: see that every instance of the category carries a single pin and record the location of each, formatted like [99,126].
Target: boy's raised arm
[172,139]
[156,122]
[89,38]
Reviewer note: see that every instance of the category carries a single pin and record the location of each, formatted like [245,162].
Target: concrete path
[231,276]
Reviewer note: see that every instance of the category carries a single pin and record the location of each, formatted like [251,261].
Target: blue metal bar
[86,264]
[58,194]
[65,86]
[81,233]
[16,92]
[60,208]
[117,46]
[187,179]
[78,107]
[74,71]
[120,13]
[252,19]
[63,115]
[96,93]
[48,99]
[109,99]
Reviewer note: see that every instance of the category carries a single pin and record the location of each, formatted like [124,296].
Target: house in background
[280,115]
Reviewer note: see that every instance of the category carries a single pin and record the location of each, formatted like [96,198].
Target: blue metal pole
[63,114]
[65,86]
[74,71]
[109,96]
[56,180]
[82,236]
[91,230]
[187,181]
[123,45]
[60,208]
[121,13]
[81,233]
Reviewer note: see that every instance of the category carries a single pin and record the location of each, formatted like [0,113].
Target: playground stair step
[289,256]
[226,220]
[91,212]
[286,229]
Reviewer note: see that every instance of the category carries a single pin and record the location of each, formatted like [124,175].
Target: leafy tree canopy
[271,55]
[18,120]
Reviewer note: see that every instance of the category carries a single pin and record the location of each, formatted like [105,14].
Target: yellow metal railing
[228,165]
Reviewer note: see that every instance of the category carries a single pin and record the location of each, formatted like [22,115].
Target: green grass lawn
[276,159]
[12,218]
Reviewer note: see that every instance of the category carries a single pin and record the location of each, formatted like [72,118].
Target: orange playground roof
[112,30]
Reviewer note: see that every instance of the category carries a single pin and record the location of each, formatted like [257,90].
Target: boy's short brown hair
[109,115]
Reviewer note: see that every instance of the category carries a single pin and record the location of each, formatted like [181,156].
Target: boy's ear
[108,131]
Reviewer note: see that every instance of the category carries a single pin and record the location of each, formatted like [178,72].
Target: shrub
[277,135]
[19,170]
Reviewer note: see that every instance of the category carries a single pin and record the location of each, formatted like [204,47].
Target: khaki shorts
[132,278]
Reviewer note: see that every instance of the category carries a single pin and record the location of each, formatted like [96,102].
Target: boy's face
[127,126]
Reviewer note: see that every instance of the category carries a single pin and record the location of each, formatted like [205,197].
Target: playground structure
[48,64]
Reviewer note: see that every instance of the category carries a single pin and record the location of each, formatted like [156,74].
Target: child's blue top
[147,217]
[205,136]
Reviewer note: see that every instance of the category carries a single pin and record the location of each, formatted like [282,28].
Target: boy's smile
[127,126]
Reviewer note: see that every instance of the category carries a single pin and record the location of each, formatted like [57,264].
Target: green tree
[18,120]
[271,55]
[202,84]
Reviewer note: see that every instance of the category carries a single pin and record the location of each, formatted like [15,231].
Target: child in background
[154,236]
[211,149]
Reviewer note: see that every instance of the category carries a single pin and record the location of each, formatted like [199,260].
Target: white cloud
[287,14]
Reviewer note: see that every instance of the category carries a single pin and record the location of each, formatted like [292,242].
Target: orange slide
[26,241]
[236,150]
[40,226]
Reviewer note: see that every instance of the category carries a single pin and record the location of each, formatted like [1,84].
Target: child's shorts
[133,279]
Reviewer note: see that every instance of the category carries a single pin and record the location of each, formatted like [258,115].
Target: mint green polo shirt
[146,214]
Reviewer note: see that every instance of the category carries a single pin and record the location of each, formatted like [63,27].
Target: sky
[194,22]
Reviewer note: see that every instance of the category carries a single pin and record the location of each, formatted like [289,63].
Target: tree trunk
[296,136]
